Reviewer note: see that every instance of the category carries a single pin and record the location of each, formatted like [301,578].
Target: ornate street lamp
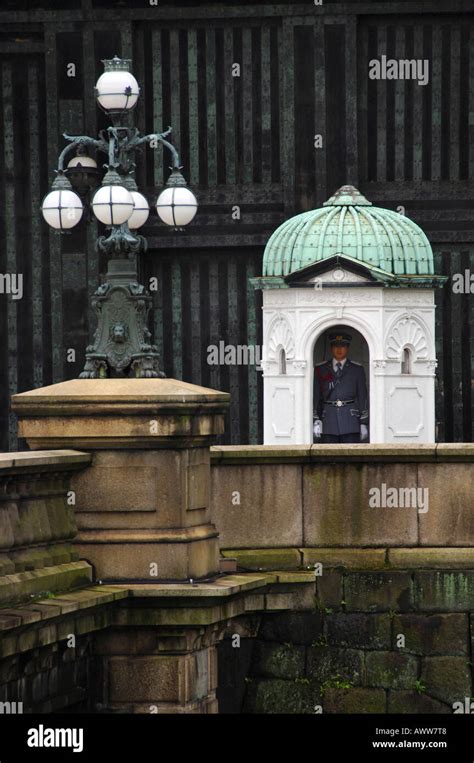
[122,342]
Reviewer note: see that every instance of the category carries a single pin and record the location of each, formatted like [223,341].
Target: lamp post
[122,342]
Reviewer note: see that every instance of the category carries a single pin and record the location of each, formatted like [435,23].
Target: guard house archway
[358,351]
[370,270]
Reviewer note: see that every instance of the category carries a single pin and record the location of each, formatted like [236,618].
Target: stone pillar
[142,507]
[153,670]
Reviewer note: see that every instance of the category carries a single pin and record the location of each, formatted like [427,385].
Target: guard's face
[339,351]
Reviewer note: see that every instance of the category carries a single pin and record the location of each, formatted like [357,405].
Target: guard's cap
[340,338]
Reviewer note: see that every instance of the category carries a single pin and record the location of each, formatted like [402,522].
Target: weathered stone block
[354,700]
[336,509]
[327,664]
[278,660]
[133,556]
[358,630]
[426,558]
[269,511]
[390,670]
[329,590]
[279,696]
[447,523]
[348,558]
[266,558]
[293,627]
[378,591]
[443,591]
[131,480]
[447,678]
[433,634]
[148,679]
[412,702]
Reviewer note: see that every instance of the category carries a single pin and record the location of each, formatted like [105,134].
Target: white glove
[364,432]
[317,428]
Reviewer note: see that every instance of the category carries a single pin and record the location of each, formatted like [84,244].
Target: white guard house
[365,270]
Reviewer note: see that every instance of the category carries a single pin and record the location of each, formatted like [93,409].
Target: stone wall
[374,642]
[299,496]
[339,607]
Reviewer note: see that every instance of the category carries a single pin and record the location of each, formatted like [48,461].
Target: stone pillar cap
[104,413]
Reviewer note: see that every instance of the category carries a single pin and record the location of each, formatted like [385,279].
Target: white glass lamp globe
[83,161]
[62,209]
[140,213]
[176,206]
[117,90]
[112,204]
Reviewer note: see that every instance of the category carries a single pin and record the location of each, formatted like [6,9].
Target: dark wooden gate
[247,142]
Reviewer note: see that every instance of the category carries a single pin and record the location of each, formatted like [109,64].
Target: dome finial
[347,195]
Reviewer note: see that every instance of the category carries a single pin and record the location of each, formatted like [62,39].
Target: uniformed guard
[340,406]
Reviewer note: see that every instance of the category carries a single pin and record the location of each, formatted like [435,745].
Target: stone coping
[25,462]
[220,587]
[366,453]
[301,559]
[94,397]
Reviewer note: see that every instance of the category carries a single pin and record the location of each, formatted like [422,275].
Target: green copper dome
[348,224]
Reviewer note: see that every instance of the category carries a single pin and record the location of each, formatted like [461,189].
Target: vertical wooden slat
[177,330]
[247,104]
[90,119]
[439,382]
[157,103]
[36,243]
[10,238]
[287,146]
[471,103]
[266,107]
[55,264]
[465,341]
[175,87]
[211,106]
[320,154]
[352,159]
[158,310]
[471,343]
[427,99]
[436,104]
[193,108]
[399,109]
[215,333]
[362,103]
[126,39]
[233,338]
[455,319]
[454,103]
[196,347]
[381,109]
[418,109]
[252,340]
[229,85]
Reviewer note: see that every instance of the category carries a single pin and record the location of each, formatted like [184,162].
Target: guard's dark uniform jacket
[332,396]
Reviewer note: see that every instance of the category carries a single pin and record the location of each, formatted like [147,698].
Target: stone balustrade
[38,524]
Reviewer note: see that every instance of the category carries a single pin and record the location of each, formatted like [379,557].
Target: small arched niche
[407,359]
[282,361]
